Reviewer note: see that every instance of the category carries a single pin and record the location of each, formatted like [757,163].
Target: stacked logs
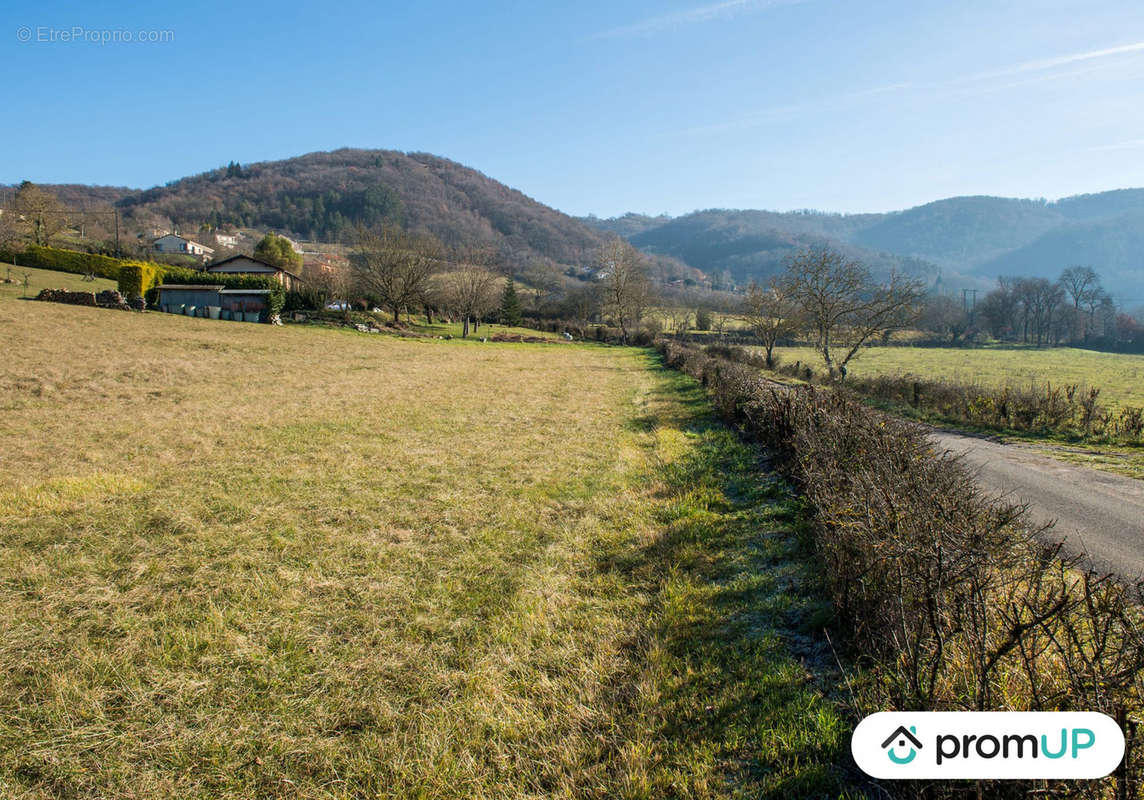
[109,298]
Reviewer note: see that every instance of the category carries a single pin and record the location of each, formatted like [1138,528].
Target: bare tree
[583,305]
[844,307]
[772,314]
[472,288]
[998,311]
[39,212]
[627,290]
[678,319]
[10,229]
[543,281]
[944,316]
[395,266]
[333,284]
[1082,284]
[1040,299]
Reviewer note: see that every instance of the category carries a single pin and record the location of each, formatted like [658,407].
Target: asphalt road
[1099,514]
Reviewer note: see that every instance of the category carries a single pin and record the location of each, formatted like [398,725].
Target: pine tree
[510,305]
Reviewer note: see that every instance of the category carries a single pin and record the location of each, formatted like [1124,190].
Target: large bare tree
[772,314]
[1081,284]
[844,307]
[626,287]
[395,266]
[39,212]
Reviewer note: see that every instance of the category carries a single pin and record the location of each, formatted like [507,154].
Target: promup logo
[901,734]
[988,745]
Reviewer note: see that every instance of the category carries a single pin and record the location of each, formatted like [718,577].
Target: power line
[72,212]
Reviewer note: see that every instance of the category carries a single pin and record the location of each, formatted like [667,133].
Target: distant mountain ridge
[964,241]
[323,195]
[968,240]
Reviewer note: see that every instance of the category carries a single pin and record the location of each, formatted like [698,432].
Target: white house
[226,239]
[175,244]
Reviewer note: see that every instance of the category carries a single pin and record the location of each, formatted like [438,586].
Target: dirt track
[1098,513]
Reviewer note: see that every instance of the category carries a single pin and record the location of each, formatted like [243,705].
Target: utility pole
[965,295]
[118,252]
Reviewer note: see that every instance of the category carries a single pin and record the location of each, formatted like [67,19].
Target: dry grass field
[245,561]
[44,279]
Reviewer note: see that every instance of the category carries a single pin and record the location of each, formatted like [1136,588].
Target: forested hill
[322,196]
[740,246]
[967,238]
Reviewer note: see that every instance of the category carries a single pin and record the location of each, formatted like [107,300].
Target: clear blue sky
[598,106]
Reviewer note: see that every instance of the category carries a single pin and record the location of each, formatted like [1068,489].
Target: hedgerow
[1068,410]
[1062,409]
[72,261]
[947,598]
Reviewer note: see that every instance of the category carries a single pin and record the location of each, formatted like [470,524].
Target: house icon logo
[899,738]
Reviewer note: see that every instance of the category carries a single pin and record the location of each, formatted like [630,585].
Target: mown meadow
[246,561]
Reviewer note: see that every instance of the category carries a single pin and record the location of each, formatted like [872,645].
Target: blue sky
[600,107]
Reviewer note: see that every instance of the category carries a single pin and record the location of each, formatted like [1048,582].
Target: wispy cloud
[1024,73]
[692,16]
[1039,64]
[1130,144]
[985,87]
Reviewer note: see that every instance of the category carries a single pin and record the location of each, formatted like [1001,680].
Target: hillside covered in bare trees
[324,196]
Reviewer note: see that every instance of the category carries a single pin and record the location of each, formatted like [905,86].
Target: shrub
[305,299]
[136,278]
[703,319]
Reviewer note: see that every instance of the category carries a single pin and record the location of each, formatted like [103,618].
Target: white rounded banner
[995,745]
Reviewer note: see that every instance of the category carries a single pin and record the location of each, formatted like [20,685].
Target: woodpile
[64,296]
[109,298]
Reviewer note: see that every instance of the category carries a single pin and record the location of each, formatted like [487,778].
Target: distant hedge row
[69,261]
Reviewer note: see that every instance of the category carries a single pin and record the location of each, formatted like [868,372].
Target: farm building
[248,265]
[215,302]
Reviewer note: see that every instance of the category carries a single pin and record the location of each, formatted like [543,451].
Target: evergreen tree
[276,250]
[510,305]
